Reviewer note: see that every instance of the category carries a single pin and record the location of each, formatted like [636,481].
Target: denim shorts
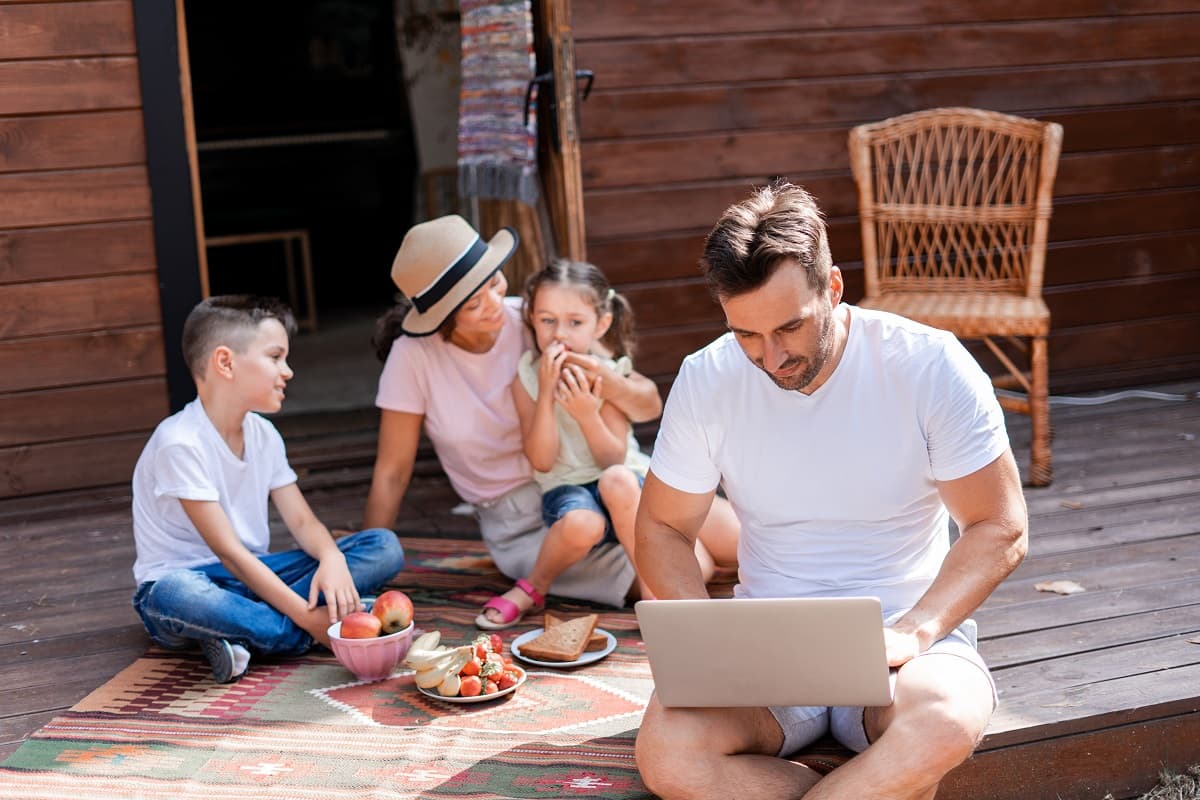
[803,725]
[586,497]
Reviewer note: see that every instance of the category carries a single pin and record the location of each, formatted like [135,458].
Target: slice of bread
[597,641]
[563,642]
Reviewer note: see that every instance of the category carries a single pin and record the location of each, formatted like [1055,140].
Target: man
[844,439]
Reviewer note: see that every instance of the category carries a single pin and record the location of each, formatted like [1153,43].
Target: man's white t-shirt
[835,490]
[186,459]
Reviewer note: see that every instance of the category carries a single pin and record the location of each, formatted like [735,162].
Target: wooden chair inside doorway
[954,205]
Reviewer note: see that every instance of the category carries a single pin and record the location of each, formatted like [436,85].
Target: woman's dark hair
[388,330]
[588,280]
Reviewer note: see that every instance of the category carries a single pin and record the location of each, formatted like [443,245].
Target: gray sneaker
[220,657]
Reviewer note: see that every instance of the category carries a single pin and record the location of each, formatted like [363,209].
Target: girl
[582,449]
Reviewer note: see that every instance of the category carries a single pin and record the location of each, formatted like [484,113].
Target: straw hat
[440,264]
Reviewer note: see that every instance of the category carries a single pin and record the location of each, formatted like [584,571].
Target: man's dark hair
[231,320]
[777,223]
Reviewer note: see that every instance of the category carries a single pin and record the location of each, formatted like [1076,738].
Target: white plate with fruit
[471,673]
[479,698]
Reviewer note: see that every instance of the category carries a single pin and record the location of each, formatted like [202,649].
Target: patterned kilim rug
[307,729]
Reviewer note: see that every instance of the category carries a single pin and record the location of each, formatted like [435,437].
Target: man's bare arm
[993,525]
[668,522]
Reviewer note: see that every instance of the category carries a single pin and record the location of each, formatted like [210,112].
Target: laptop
[767,652]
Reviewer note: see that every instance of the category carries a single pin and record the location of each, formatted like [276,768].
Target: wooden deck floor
[1099,690]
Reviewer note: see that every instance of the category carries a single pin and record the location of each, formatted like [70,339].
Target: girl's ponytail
[620,337]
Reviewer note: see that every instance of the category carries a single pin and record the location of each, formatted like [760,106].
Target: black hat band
[450,278]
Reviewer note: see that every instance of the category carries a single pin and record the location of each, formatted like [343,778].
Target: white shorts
[803,725]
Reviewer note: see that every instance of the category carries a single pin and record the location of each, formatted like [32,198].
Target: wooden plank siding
[694,103]
[45,30]
[70,141]
[81,350]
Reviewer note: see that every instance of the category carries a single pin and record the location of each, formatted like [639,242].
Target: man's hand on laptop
[901,647]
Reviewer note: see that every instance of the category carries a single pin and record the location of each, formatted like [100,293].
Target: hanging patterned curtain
[497,150]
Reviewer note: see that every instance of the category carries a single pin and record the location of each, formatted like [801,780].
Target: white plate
[480,698]
[586,658]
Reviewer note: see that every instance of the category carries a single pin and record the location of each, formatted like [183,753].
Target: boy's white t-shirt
[466,399]
[835,491]
[186,459]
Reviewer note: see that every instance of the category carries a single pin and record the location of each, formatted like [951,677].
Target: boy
[200,491]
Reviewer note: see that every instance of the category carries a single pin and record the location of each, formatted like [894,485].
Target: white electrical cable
[1126,394]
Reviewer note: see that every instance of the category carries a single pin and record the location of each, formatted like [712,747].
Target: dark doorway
[303,132]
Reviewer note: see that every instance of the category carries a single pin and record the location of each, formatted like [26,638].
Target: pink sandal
[510,614]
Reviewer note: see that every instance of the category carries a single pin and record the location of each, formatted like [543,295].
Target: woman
[450,358]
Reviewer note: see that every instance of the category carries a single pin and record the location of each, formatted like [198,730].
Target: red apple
[360,625]
[394,610]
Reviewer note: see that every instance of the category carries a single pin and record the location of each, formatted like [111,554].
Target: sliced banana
[426,659]
[450,663]
[450,685]
[421,660]
[430,677]
[426,641]
[461,657]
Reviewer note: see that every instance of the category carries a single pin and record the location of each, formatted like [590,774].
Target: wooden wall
[81,351]
[697,100]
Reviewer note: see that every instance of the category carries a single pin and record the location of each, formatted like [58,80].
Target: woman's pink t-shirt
[467,403]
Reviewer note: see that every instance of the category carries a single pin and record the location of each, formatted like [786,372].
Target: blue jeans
[582,497]
[190,605]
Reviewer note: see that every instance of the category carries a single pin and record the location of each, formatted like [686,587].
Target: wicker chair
[955,205]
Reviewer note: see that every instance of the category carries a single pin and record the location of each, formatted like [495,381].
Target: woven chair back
[955,200]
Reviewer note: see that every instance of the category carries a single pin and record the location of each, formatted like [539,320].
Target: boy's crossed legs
[210,607]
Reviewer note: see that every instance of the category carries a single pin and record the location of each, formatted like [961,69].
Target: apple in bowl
[394,610]
[360,625]
[361,646]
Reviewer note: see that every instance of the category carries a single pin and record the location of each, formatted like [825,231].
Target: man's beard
[800,381]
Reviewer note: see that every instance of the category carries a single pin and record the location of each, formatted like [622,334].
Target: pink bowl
[370,659]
